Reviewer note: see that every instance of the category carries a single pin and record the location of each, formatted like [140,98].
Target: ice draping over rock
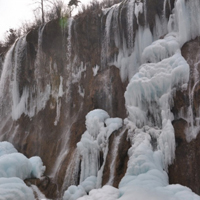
[130,44]
[22,99]
[57,95]
[185,20]
[94,140]
[14,168]
[27,99]
[88,146]
[149,101]
[17,165]
[37,168]
[95,70]
[15,188]
[160,49]
[148,93]
[6,148]
[138,8]
[145,177]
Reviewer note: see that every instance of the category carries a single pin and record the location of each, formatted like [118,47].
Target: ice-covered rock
[37,167]
[6,148]
[14,168]
[15,188]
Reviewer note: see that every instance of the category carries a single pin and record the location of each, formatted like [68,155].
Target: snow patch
[95,70]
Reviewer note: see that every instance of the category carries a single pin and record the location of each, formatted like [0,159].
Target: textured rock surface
[185,168]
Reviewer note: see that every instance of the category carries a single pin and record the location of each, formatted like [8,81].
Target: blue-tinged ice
[6,148]
[37,168]
[14,168]
[93,141]
[149,99]
[15,188]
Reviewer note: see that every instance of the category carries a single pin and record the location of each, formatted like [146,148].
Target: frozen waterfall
[141,44]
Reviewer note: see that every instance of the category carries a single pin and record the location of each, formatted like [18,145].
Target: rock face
[185,168]
[55,75]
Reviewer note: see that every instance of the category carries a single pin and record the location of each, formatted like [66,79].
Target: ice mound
[6,148]
[74,192]
[14,164]
[93,141]
[14,188]
[37,168]
[14,168]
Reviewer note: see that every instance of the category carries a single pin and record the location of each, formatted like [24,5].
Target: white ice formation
[14,168]
[148,102]
[94,140]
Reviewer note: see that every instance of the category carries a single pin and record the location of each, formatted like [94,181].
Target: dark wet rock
[184,170]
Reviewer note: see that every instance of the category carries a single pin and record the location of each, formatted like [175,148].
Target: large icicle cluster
[30,99]
[14,168]
[99,128]
[130,42]
[22,99]
[145,177]
[94,140]
[148,93]
[149,101]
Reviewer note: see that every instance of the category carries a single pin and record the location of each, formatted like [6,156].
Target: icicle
[138,9]
[69,39]
[106,41]
[130,23]
[19,102]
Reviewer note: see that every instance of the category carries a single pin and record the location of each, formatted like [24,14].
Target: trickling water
[193,119]
[106,40]
[72,172]
[114,158]
[40,57]
[138,9]
[19,100]
[69,38]
[132,42]
[94,140]
[165,4]
[148,96]
[4,83]
[130,23]
[58,101]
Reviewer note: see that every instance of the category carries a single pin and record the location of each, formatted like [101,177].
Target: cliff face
[55,75]
[53,97]
[186,123]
